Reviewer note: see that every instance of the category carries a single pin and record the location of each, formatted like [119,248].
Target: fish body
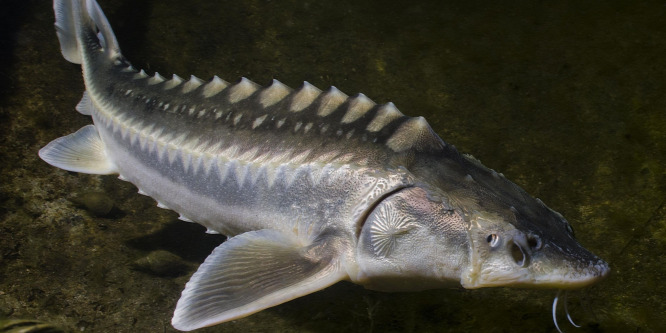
[312,186]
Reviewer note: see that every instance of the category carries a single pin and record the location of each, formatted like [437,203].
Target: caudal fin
[65,28]
[78,18]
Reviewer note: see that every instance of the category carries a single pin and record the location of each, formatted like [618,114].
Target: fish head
[515,240]
[531,246]
[472,226]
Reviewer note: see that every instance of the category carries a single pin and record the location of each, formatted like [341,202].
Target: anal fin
[82,151]
[254,271]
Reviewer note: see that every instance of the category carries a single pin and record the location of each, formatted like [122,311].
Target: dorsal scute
[140,75]
[129,69]
[304,97]
[174,82]
[414,133]
[335,109]
[192,84]
[306,110]
[330,101]
[386,114]
[214,86]
[357,108]
[242,90]
[155,79]
[273,93]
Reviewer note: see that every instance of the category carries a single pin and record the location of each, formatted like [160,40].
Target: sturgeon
[312,187]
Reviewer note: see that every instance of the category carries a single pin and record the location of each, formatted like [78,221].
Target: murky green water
[567,99]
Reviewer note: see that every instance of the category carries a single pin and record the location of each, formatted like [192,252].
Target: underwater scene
[567,99]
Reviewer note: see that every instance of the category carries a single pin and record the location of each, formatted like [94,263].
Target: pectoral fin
[82,151]
[252,272]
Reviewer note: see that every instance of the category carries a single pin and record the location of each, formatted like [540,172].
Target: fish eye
[493,240]
[518,255]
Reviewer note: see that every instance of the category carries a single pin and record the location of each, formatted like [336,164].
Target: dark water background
[566,98]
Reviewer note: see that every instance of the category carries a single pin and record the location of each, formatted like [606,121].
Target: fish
[310,186]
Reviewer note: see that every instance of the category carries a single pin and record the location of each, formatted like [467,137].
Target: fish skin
[316,186]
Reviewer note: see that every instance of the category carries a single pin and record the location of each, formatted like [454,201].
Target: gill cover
[411,241]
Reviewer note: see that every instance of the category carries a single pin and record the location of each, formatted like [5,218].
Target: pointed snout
[555,268]
[576,277]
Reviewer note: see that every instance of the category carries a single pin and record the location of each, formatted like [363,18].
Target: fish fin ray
[85,106]
[82,151]
[251,272]
[72,17]
[108,39]
[66,30]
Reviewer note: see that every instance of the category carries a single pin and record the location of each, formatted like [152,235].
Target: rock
[162,263]
[97,203]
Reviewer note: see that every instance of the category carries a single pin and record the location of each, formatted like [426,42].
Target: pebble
[97,203]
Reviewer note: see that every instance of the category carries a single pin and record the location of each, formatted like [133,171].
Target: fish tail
[82,28]
[85,38]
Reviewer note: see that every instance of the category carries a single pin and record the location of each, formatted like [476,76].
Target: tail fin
[74,19]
